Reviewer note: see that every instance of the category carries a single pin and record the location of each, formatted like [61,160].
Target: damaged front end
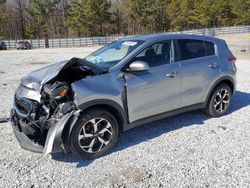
[44,110]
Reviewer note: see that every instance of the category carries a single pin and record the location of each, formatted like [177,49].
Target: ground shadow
[155,129]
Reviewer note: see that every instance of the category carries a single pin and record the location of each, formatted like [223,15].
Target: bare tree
[21,16]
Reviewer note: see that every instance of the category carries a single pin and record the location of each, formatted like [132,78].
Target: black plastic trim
[224,78]
[122,114]
[165,115]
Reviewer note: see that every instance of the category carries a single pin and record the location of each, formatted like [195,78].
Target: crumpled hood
[36,79]
[39,77]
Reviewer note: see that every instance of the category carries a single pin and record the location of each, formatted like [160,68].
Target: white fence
[92,41]
[65,42]
[218,31]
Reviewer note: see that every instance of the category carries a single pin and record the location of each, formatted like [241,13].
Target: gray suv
[82,105]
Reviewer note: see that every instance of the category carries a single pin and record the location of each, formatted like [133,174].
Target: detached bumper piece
[24,141]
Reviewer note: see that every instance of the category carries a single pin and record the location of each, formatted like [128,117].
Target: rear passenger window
[191,49]
[209,48]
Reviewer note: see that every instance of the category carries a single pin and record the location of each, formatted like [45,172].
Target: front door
[158,90]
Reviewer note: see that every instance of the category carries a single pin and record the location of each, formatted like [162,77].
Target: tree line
[75,18]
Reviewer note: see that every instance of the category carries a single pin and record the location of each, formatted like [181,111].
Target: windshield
[111,54]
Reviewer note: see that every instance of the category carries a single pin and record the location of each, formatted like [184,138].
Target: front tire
[219,101]
[94,134]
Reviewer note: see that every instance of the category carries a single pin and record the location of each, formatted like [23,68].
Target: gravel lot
[188,150]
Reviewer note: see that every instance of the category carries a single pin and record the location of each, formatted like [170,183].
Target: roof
[153,37]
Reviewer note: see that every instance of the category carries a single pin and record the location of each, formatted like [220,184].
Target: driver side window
[157,54]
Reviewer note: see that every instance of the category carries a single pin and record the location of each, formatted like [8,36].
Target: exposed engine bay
[35,118]
[77,69]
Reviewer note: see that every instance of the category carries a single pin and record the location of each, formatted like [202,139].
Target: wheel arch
[110,106]
[226,80]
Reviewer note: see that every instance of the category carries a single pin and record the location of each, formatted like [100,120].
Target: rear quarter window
[209,48]
[191,49]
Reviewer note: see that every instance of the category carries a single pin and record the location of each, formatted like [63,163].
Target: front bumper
[54,142]
[24,141]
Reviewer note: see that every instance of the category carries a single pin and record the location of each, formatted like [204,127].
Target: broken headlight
[57,90]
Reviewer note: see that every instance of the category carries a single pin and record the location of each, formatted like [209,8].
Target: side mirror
[138,66]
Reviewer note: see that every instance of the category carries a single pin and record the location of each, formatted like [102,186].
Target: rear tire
[94,134]
[219,101]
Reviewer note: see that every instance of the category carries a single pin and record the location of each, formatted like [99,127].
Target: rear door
[157,90]
[199,67]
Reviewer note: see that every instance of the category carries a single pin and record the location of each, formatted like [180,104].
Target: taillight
[232,60]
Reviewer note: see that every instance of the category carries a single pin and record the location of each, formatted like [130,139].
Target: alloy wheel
[222,100]
[95,135]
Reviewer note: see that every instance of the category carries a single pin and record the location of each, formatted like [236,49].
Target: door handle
[171,75]
[213,65]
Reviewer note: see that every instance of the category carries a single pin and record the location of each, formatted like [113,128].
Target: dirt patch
[2,72]
[38,63]
[134,174]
